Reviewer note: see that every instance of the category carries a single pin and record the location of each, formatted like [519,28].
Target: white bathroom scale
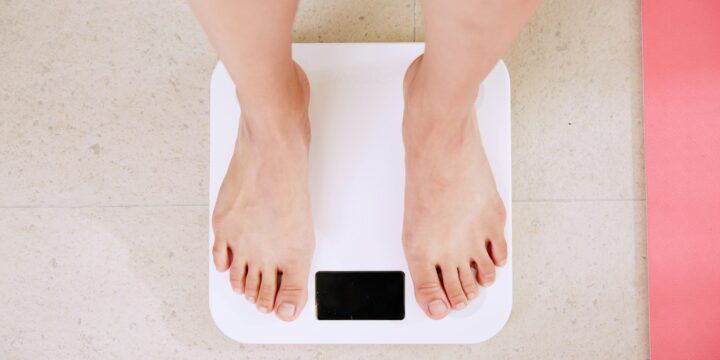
[356,184]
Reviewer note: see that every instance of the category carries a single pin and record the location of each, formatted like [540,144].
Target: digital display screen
[360,295]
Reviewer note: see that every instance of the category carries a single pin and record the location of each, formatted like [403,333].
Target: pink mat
[681,46]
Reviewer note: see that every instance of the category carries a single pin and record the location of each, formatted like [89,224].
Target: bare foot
[453,231]
[262,221]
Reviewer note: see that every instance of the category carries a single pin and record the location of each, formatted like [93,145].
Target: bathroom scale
[359,288]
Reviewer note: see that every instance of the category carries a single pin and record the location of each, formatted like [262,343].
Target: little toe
[252,284]
[221,255]
[268,289]
[292,294]
[485,269]
[467,279]
[238,270]
[498,250]
[453,287]
[429,292]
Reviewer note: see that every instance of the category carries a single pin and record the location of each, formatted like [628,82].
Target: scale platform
[356,183]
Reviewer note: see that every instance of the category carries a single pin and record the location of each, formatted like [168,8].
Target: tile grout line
[130,206]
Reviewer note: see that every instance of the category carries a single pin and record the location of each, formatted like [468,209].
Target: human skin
[454,220]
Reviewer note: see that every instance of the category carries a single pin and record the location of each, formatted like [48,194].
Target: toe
[221,255]
[292,295]
[238,270]
[467,279]
[453,287]
[429,292]
[268,288]
[252,284]
[485,269]
[498,250]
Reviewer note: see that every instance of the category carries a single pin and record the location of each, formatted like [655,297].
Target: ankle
[431,125]
[287,94]
[424,134]
[428,90]
[267,132]
[434,121]
[280,119]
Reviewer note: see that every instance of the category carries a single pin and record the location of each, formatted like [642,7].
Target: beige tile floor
[103,180]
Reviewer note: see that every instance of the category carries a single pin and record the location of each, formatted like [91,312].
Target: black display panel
[360,295]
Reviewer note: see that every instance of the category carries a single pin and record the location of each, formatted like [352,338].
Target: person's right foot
[262,221]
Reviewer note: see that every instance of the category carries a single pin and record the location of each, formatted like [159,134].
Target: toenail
[471,296]
[286,310]
[263,309]
[237,290]
[251,299]
[437,307]
[503,262]
[460,306]
[487,283]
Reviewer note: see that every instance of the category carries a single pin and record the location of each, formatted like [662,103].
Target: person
[454,219]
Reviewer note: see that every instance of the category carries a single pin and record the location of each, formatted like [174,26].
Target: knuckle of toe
[292,291]
[250,291]
[487,266]
[488,275]
[456,295]
[252,284]
[500,245]
[469,285]
[428,288]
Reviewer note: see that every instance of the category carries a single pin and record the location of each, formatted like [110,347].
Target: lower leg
[464,40]
[262,222]
[253,39]
[454,218]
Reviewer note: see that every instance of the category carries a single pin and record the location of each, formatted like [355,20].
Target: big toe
[429,291]
[292,295]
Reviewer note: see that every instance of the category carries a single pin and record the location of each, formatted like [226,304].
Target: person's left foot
[454,218]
